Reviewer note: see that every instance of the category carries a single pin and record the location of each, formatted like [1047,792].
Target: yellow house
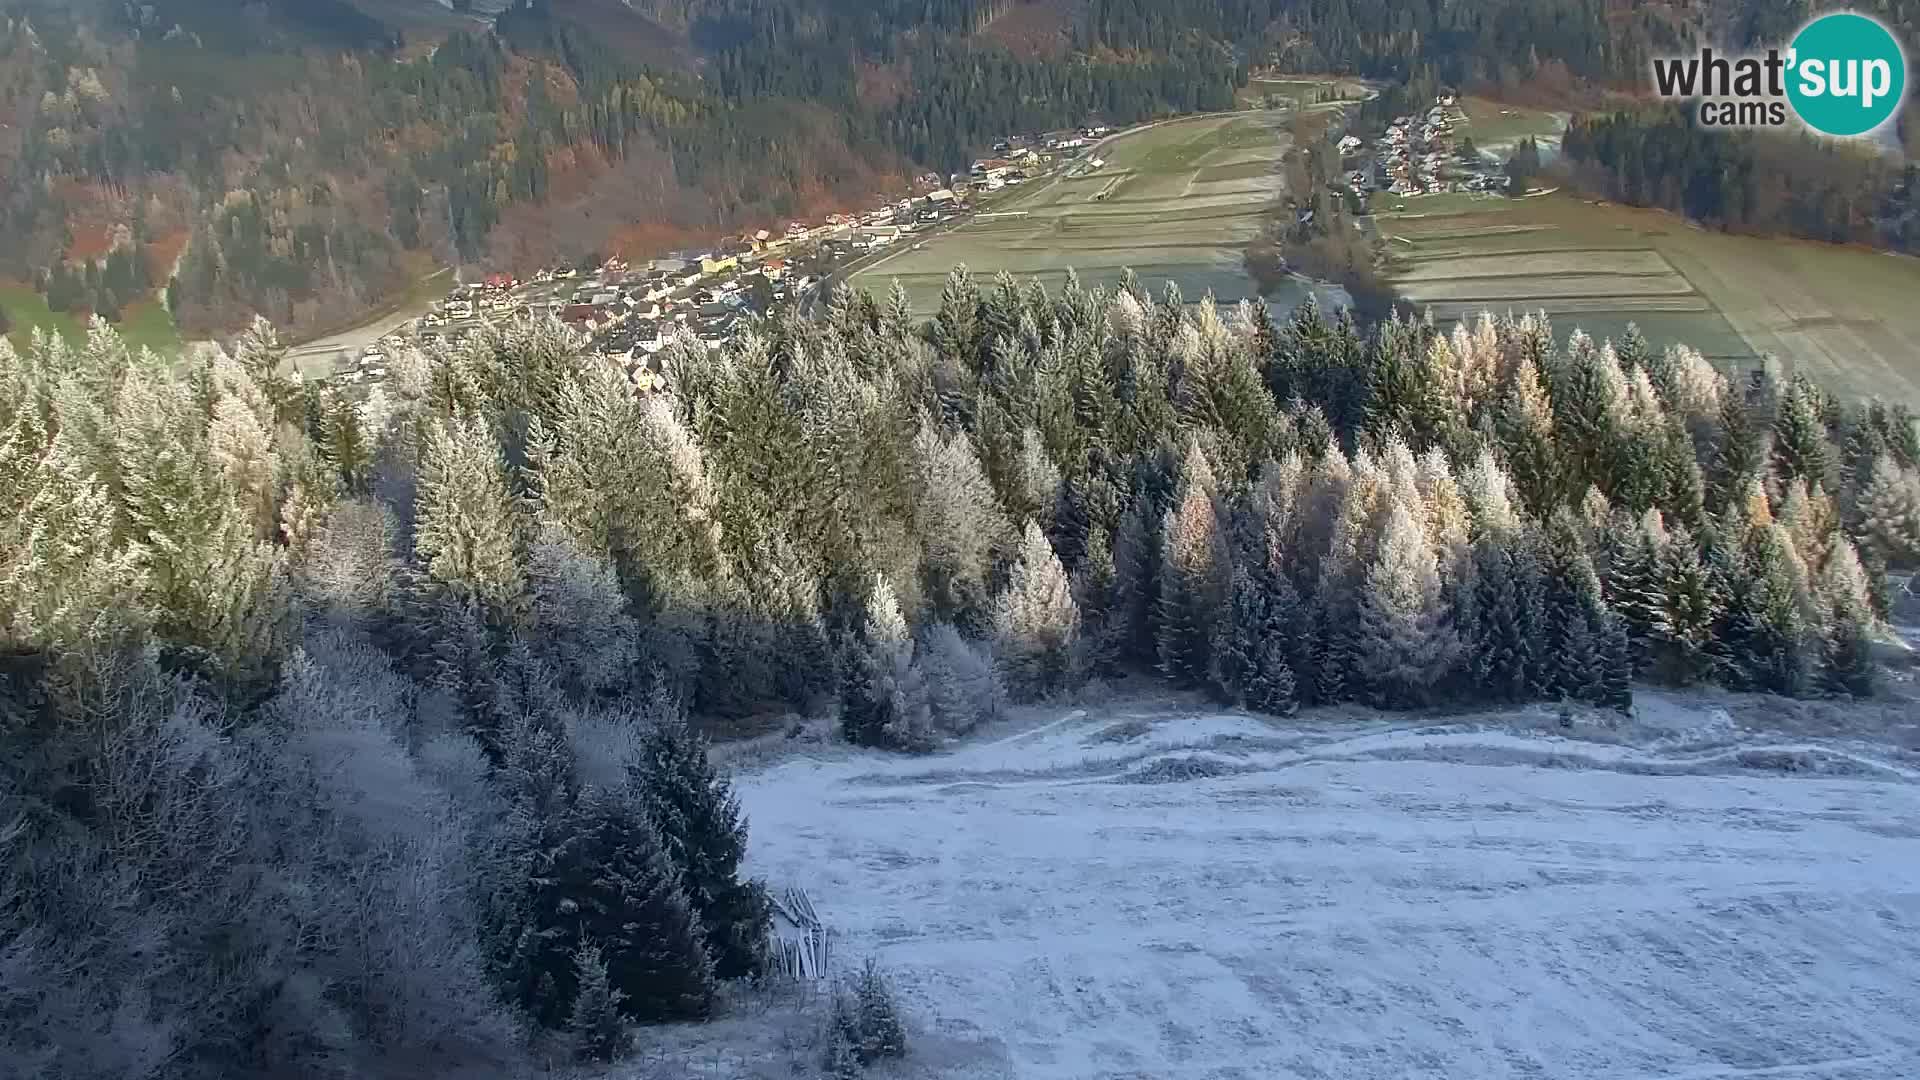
[710,264]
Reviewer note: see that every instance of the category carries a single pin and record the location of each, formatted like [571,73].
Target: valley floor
[1158,891]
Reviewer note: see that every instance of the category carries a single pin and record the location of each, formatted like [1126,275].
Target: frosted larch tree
[1195,572]
[1036,624]
[1404,642]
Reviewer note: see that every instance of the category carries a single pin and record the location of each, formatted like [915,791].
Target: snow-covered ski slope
[1165,894]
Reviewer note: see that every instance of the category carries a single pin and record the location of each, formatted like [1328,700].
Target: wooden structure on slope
[801,946]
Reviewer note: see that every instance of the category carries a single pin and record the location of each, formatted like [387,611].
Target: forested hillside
[343,738]
[311,158]
[1751,181]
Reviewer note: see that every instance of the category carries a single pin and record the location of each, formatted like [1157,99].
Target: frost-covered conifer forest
[363,736]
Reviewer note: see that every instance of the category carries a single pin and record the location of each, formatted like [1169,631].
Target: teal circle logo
[1846,74]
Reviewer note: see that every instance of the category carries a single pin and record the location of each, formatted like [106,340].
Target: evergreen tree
[843,1039]
[1634,585]
[599,1032]
[1847,665]
[1800,445]
[1576,657]
[1273,689]
[1253,650]
[1136,582]
[1890,511]
[693,810]
[1692,606]
[1589,409]
[1616,651]
[959,522]
[1762,634]
[885,701]
[1740,453]
[1526,433]
[466,533]
[1505,638]
[609,880]
[882,1035]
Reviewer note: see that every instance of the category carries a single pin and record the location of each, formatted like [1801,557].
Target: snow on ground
[1160,893]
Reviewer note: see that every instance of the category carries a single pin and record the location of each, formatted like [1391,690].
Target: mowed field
[1178,201]
[1846,316]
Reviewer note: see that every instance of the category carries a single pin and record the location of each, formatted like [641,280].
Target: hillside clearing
[1166,893]
[144,324]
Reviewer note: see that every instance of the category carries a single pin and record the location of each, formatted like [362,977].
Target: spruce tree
[1847,665]
[1332,651]
[1589,409]
[884,699]
[959,523]
[693,809]
[1692,605]
[1800,445]
[1635,586]
[1239,638]
[609,879]
[882,1034]
[1136,583]
[1095,590]
[1890,511]
[1257,644]
[1739,455]
[1616,682]
[843,1039]
[467,533]
[1576,658]
[1272,689]
[599,1031]
[1761,633]
[1525,427]
[1504,637]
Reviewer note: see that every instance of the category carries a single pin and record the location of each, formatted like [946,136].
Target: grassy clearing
[142,325]
[1175,202]
[1492,124]
[1296,91]
[1845,315]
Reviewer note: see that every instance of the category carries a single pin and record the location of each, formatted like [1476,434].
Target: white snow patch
[1438,901]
